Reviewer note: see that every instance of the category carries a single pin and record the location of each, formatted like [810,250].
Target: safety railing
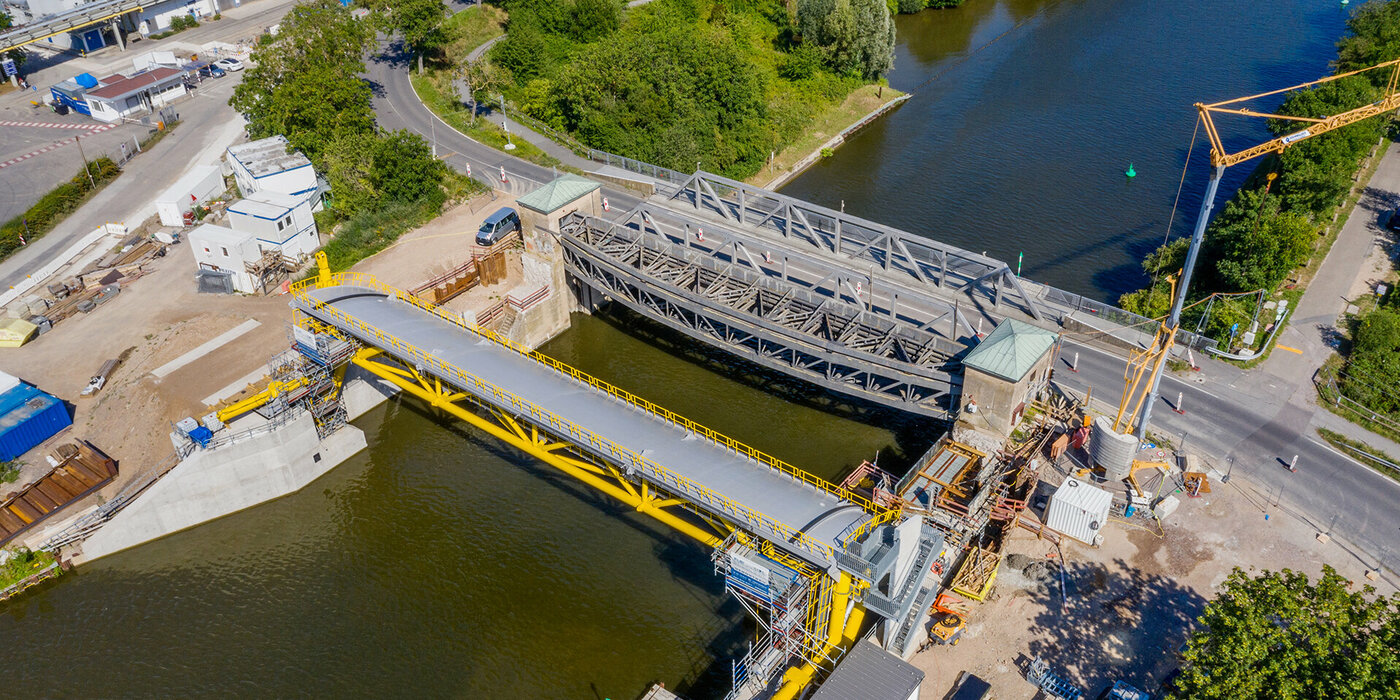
[699,494]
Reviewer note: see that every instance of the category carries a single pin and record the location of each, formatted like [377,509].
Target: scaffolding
[271,269]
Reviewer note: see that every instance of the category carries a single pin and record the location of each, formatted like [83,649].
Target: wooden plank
[24,511]
[51,488]
[71,486]
[9,522]
[82,472]
[41,503]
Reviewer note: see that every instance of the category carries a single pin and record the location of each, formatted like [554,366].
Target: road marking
[1285,347]
[223,339]
[50,147]
[55,125]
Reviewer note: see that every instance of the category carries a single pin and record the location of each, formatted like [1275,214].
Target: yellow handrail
[685,485]
[360,279]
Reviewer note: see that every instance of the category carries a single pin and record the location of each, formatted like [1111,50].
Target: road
[1251,423]
[208,125]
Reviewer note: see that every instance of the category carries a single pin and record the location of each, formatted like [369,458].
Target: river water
[1026,113]
[440,563]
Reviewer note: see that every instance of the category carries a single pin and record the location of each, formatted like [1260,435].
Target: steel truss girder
[924,260]
[926,391]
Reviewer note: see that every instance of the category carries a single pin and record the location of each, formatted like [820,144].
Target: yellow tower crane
[1136,378]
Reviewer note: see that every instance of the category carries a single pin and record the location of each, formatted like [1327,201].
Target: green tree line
[305,85]
[723,83]
[1279,635]
[1271,227]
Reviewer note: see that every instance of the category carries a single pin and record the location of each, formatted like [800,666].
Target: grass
[828,123]
[1362,453]
[471,28]
[430,89]
[22,564]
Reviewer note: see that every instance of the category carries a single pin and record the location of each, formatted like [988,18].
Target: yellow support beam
[521,441]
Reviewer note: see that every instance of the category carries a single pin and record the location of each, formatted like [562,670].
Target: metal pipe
[1174,320]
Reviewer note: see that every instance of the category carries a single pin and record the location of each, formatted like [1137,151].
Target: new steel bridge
[829,548]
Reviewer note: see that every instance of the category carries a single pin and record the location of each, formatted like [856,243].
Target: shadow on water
[912,434]
[706,672]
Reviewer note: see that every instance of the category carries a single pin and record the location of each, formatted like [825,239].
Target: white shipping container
[200,184]
[1079,510]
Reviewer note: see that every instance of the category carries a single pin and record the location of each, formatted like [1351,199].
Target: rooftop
[870,673]
[267,156]
[129,86]
[1010,350]
[266,205]
[564,189]
[218,235]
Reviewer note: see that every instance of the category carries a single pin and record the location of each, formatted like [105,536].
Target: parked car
[231,65]
[497,226]
[1394,224]
[212,71]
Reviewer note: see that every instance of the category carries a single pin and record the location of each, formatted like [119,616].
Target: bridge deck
[801,507]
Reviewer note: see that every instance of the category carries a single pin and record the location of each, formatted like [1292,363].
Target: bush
[909,7]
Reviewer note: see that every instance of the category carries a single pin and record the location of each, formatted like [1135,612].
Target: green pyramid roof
[564,189]
[1010,350]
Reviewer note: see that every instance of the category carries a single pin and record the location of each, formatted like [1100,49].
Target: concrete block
[1373,575]
[1166,507]
[1323,538]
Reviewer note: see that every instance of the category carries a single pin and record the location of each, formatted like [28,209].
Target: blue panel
[29,417]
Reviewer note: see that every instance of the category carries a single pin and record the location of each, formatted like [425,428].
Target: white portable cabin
[1079,510]
[266,166]
[277,220]
[223,249]
[200,184]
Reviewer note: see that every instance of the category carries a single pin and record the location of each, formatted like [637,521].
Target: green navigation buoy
[1131,172]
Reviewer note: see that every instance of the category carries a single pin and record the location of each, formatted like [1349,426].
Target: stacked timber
[81,470]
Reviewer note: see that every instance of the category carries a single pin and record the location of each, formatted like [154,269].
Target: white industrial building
[268,165]
[153,17]
[201,184]
[276,219]
[125,96]
[268,236]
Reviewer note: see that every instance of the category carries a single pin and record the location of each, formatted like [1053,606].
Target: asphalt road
[1245,421]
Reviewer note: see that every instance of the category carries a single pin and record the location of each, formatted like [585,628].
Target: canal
[439,563]
[1026,113]
[436,563]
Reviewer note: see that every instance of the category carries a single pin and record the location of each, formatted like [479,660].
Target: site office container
[27,418]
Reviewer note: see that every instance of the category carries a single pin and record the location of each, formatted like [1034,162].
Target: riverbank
[862,107]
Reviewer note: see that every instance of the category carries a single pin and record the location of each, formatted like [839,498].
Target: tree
[1255,245]
[522,51]
[1375,37]
[1316,173]
[405,169]
[348,163]
[594,19]
[1276,635]
[304,84]
[420,21]
[857,35]
[1156,300]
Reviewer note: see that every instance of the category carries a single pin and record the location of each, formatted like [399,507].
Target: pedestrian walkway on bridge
[713,474]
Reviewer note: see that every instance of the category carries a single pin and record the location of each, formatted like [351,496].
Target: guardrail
[632,462]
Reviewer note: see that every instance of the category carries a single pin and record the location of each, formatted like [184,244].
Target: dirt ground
[1130,604]
[160,317]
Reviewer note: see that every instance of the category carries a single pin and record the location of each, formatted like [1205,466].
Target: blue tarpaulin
[85,80]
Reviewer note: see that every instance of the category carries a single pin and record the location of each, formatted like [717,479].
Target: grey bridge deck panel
[800,506]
